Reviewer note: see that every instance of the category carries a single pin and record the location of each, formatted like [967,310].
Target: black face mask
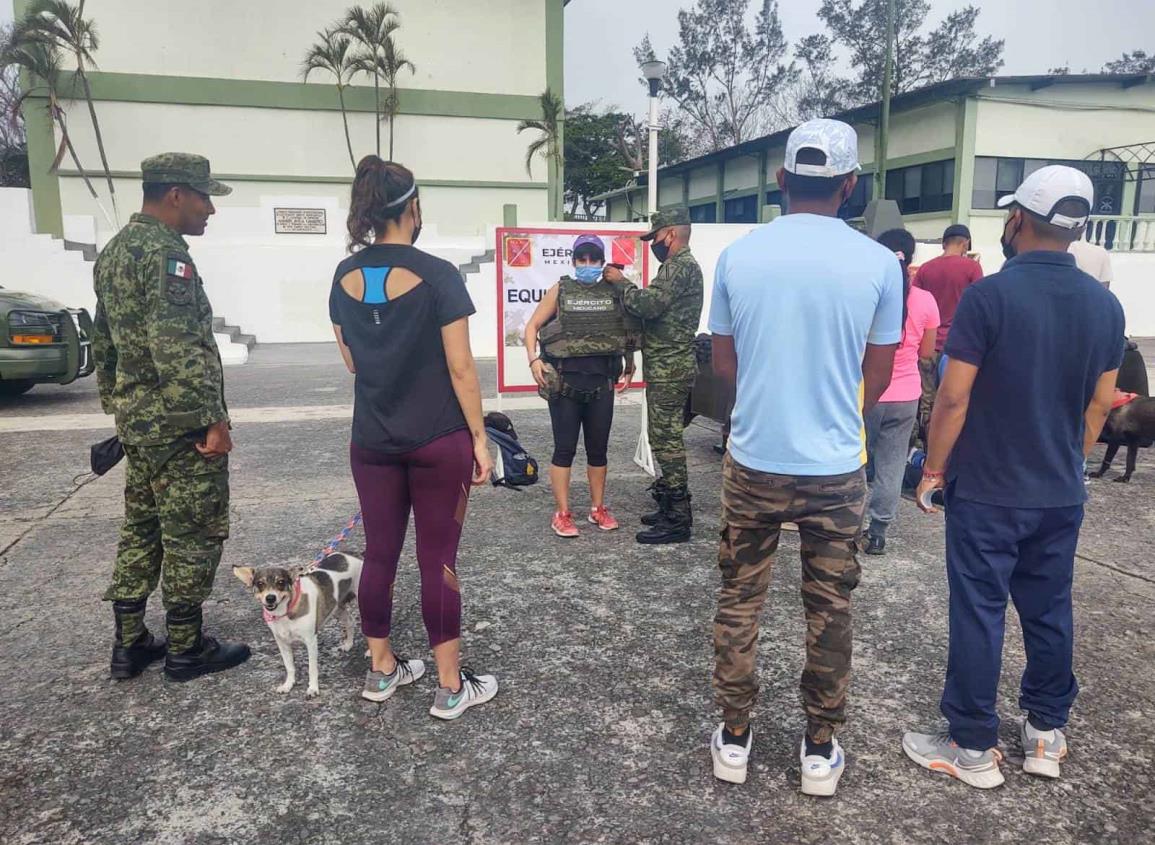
[1008,244]
[105,455]
[417,218]
[660,251]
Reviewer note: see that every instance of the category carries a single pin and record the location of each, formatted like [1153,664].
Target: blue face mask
[588,274]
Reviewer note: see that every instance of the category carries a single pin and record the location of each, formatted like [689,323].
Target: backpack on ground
[514,466]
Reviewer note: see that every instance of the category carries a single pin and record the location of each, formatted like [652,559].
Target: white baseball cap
[1047,187]
[836,140]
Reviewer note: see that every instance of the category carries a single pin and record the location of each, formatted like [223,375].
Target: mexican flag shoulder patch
[180,269]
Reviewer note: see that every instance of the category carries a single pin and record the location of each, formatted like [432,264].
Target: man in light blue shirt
[806,315]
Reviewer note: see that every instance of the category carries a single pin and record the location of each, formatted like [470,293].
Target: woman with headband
[890,422]
[401,317]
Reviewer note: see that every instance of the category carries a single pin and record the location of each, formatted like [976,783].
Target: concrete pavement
[602,648]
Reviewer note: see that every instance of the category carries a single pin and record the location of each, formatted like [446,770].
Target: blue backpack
[514,467]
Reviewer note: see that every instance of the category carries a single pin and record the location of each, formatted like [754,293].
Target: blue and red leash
[341,537]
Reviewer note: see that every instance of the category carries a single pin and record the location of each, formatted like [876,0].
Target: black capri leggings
[593,418]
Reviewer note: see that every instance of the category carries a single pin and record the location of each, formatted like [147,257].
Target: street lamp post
[654,72]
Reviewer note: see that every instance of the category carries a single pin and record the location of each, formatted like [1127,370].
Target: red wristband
[929,474]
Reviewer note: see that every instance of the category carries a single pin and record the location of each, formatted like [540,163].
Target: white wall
[703,183]
[1134,284]
[741,174]
[465,212]
[457,45]
[1064,121]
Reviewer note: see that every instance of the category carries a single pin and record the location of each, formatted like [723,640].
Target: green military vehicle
[41,342]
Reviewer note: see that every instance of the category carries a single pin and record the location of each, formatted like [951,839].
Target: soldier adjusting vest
[590,321]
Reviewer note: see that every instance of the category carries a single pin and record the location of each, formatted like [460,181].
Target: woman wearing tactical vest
[584,340]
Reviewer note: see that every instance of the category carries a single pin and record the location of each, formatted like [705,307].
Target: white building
[953,149]
[223,79]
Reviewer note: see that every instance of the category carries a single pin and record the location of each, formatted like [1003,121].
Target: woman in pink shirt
[889,423]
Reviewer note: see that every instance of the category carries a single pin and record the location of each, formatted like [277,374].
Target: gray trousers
[888,427]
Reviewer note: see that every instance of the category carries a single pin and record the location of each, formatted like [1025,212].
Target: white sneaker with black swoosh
[474,690]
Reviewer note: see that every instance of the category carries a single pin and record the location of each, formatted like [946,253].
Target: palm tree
[391,62]
[41,62]
[379,57]
[548,144]
[332,53]
[64,26]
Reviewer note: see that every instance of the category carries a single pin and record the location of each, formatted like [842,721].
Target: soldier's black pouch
[105,455]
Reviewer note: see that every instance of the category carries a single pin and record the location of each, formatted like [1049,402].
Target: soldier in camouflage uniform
[670,309]
[159,374]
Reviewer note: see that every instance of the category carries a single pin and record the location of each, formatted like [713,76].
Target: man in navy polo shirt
[1033,352]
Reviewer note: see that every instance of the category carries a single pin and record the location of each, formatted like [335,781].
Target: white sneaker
[730,760]
[1043,751]
[820,774]
[475,689]
[380,687]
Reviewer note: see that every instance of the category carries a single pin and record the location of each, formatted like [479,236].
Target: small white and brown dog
[296,601]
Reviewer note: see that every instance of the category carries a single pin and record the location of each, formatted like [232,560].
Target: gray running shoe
[475,689]
[380,687]
[1043,751]
[939,753]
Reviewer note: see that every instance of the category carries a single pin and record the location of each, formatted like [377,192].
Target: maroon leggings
[434,481]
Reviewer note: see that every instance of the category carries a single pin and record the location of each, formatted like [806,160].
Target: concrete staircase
[234,334]
[474,263]
[62,271]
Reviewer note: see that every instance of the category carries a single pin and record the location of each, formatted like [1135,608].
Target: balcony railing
[1123,234]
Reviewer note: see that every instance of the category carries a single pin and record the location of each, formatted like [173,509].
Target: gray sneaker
[939,753]
[474,690]
[1043,751]
[380,687]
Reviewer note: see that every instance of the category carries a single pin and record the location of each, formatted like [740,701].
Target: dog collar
[293,602]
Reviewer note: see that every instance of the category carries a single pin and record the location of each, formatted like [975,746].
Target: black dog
[1131,425]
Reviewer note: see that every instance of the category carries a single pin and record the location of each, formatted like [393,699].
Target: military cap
[679,216]
[182,169]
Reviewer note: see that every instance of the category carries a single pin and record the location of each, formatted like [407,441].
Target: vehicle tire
[15,387]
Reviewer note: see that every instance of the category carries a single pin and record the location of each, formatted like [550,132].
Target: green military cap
[183,169]
[679,216]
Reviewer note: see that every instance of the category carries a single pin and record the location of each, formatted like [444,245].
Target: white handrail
[1119,233]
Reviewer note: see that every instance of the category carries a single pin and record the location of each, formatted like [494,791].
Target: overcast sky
[1040,34]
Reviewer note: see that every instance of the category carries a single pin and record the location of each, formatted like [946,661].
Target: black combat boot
[129,660]
[658,490]
[676,523]
[206,656]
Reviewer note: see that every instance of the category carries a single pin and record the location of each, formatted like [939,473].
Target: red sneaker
[603,519]
[563,525]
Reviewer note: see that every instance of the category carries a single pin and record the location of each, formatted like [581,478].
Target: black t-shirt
[403,395]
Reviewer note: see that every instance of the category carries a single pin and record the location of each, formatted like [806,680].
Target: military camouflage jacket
[158,366]
[670,308]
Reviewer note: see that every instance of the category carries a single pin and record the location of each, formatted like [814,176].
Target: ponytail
[381,193]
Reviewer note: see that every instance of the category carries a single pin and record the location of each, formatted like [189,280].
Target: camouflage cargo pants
[828,511]
[176,519]
[665,413]
[928,374]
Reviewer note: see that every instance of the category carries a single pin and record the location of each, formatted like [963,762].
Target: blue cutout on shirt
[375,284]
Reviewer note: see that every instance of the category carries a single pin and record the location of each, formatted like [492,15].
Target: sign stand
[643,455]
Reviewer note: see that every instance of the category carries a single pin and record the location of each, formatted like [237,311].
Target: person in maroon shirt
[945,278]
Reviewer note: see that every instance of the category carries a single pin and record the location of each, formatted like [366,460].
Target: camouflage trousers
[828,511]
[665,413]
[928,372]
[176,519]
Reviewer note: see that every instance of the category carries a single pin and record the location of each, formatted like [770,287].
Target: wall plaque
[299,221]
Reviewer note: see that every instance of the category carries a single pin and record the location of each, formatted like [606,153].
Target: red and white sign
[529,263]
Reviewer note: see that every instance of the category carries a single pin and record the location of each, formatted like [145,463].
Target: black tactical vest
[590,321]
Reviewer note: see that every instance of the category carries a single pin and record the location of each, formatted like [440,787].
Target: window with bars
[922,187]
[997,177]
